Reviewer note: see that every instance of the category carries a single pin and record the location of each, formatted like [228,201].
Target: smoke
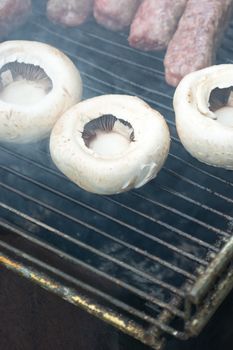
[13,14]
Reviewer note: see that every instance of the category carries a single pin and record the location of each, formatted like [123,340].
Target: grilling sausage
[69,13]
[13,13]
[115,14]
[155,23]
[197,38]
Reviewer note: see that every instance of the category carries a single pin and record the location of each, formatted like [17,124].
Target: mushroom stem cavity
[108,135]
[110,144]
[203,104]
[219,98]
[23,84]
[220,103]
[224,116]
[38,83]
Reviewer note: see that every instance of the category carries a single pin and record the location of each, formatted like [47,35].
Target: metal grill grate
[145,261]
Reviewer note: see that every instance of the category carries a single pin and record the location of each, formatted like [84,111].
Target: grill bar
[228,183]
[96,50]
[123,243]
[77,242]
[201,223]
[178,212]
[213,271]
[228,217]
[188,199]
[136,249]
[184,178]
[98,91]
[153,238]
[179,232]
[76,261]
[84,286]
[126,325]
[125,91]
[197,323]
[141,53]
[173,173]
[124,80]
[162,187]
[114,43]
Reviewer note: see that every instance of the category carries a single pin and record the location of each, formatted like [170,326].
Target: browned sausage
[13,13]
[197,38]
[115,14]
[69,13]
[155,23]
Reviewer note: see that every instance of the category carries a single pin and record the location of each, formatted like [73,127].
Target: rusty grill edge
[206,296]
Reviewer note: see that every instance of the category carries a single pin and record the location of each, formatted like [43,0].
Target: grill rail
[153,261]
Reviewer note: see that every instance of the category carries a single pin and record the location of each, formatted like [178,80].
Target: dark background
[33,319]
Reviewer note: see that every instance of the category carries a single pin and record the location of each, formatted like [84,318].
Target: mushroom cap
[27,123]
[204,137]
[137,165]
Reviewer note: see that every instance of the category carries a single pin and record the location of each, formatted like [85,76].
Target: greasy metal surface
[211,274]
[207,309]
[137,260]
[81,301]
[30,259]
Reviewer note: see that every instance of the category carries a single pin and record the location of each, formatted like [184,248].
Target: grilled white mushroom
[38,83]
[204,115]
[110,144]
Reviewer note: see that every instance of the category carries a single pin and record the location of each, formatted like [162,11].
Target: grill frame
[214,278]
[152,336]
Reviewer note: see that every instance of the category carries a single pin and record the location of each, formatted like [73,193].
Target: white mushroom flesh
[23,92]
[31,102]
[225,116]
[112,137]
[23,84]
[205,132]
[109,144]
[124,151]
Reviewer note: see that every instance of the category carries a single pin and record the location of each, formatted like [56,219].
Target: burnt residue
[104,123]
[25,71]
[219,98]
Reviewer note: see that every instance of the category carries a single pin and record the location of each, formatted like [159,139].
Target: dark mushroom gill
[104,123]
[219,98]
[25,71]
